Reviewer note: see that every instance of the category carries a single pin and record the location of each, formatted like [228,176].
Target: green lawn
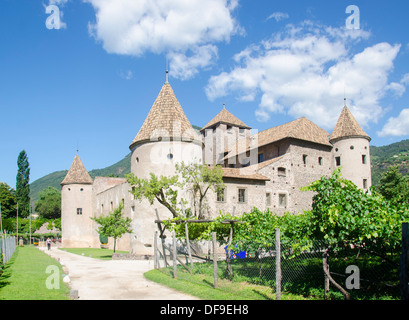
[25,277]
[200,284]
[103,254]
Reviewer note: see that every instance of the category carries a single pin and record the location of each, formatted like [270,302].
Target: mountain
[395,154]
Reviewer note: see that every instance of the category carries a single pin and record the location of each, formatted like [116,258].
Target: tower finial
[167,71]
[345,98]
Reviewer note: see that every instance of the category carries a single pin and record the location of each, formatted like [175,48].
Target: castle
[264,169]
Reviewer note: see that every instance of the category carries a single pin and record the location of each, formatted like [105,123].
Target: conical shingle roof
[347,126]
[77,173]
[166,119]
[226,117]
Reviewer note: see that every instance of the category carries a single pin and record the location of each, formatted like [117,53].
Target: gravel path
[97,279]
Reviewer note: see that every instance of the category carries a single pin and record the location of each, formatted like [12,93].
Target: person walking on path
[48,243]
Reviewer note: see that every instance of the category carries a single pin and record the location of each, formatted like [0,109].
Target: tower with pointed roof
[351,150]
[218,134]
[76,207]
[165,138]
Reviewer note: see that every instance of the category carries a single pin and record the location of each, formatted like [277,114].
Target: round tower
[77,229]
[351,150]
[165,139]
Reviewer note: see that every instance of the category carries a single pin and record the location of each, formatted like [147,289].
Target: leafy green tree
[198,179]
[163,189]
[7,201]
[23,184]
[394,186]
[342,213]
[49,203]
[114,225]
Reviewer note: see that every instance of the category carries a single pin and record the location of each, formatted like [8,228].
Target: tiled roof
[243,173]
[166,119]
[226,117]
[347,126]
[77,173]
[302,129]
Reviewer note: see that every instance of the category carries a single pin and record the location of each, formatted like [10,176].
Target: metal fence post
[215,260]
[155,250]
[403,270]
[174,255]
[278,263]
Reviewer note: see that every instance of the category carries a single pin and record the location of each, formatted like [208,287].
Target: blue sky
[91,80]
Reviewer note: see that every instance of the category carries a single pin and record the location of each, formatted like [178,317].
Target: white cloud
[182,29]
[306,71]
[398,126]
[278,16]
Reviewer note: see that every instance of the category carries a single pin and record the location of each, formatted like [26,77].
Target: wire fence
[292,270]
[7,247]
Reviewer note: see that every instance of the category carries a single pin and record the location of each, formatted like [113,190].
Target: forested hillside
[395,154]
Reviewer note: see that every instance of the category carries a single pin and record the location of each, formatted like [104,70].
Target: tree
[49,204]
[344,215]
[163,189]
[194,178]
[114,225]
[22,184]
[198,180]
[7,201]
[394,186]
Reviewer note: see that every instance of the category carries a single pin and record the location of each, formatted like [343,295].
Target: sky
[83,74]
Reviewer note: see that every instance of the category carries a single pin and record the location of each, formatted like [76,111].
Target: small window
[268,199]
[320,161]
[281,172]
[82,189]
[242,196]
[79,211]
[282,200]
[170,156]
[111,207]
[137,160]
[365,183]
[338,161]
[102,208]
[304,159]
[260,157]
[364,159]
[228,127]
[221,195]
[351,147]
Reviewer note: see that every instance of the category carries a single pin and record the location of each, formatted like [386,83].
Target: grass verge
[201,286]
[97,253]
[25,277]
